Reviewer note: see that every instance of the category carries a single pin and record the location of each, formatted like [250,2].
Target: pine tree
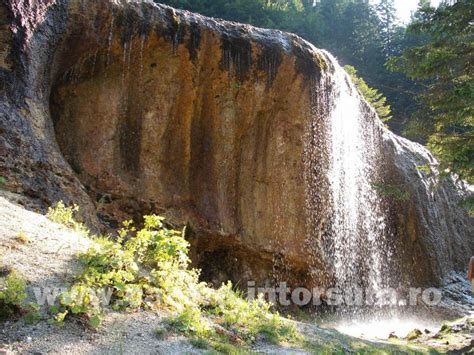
[387,15]
[446,66]
[371,95]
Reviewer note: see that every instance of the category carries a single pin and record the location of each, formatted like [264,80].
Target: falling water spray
[347,150]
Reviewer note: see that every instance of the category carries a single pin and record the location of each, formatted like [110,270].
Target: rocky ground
[45,254]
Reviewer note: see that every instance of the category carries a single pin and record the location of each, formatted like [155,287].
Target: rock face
[433,234]
[129,108]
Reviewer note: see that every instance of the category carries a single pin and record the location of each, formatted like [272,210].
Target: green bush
[149,268]
[191,322]
[12,294]
[146,268]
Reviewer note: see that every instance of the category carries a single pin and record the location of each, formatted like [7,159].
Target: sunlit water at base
[381,329]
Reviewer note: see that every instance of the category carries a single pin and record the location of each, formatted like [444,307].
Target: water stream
[358,229]
[343,152]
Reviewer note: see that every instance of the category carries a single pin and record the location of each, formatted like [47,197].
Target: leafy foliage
[373,97]
[12,298]
[445,64]
[12,294]
[65,215]
[149,268]
[391,191]
[33,313]
[468,204]
[191,322]
[116,265]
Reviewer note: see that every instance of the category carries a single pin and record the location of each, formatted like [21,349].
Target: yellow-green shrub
[149,268]
[12,294]
[65,215]
[249,318]
[145,268]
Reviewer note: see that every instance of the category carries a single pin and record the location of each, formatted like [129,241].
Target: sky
[405,8]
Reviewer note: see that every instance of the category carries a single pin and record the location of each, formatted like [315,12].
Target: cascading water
[348,150]
[358,224]
[348,217]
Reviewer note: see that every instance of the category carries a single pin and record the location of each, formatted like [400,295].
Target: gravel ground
[48,259]
[120,334]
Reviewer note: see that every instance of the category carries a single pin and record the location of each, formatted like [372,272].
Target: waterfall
[357,250]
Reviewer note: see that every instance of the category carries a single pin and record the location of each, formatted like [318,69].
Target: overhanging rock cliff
[129,108]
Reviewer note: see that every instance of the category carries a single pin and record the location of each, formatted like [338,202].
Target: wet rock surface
[128,108]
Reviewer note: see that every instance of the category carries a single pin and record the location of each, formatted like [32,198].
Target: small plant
[161,333]
[224,347]
[64,215]
[468,204]
[200,343]
[80,300]
[426,168]
[3,181]
[12,294]
[376,99]
[191,322]
[33,313]
[23,238]
[392,191]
